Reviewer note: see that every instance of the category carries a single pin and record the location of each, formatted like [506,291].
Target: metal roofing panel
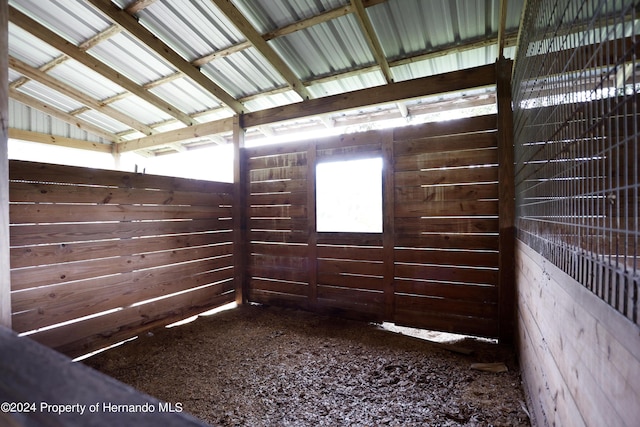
[28,48]
[73,20]
[194,28]
[130,57]
[105,122]
[336,45]
[14,75]
[186,95]
[244,73]
[140,110]
[347,84]
[49,96]
[85,79]
[273,100]
[269,15]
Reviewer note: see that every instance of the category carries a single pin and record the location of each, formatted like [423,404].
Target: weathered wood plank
[62,233]
[280,287]
[62,273]
[91,334]
[442,321]
[446,225]
[42,213]
[448,159]
[333,266]
[71,252]
[442,143]
[52,305]
[453,291]
[444,128]
[43,172]
[447,241]
[447,273]
[591,347]
[102,195]
[446,208]
[488,191]
[362,253]
[447,176]
[351,281]
[415,303]
[447,257]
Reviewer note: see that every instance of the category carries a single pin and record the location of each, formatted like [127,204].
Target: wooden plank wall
[579,357]
[114,253]
[446,226]
[436,263]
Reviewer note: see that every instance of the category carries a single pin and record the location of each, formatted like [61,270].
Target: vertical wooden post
[388,224]
[240,208]
[506,203]
[312,239]
[5,276]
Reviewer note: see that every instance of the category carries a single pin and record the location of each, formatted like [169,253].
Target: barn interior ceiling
[102,74]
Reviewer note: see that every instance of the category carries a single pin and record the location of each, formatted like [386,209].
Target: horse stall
[492,280]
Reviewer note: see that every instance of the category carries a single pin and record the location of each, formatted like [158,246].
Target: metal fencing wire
[576,86]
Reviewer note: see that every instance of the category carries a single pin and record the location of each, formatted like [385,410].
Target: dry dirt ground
[266,366]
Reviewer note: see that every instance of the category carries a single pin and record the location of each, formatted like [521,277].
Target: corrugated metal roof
[73,20]
[192,28]
[330,57]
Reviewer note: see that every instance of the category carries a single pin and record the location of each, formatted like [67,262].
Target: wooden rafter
[288,29]
[100,37]
[80,96]
[138,5]
[132,25]
[43,138]
[250,33]
[62,115]
[40,31]
[372,39]
[169,137]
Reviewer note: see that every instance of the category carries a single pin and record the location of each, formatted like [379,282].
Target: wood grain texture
[579,356]
[86,241]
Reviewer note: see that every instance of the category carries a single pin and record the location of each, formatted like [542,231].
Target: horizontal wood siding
[278,265]
[436,266]
[135,251]
[446,226]
[580,358]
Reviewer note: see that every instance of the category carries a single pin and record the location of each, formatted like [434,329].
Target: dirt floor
[259,366]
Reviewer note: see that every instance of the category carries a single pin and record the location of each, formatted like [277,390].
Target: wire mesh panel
[575,94]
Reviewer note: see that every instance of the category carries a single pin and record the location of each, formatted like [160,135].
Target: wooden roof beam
[43,33]
[177,135]
[62,115]
[60,141]
[78,95]
[131,24]
[502,19]
[417,88]
[138,5]
[250,33]
[287,29]
[372,39]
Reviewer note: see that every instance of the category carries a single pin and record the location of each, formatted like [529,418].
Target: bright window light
[349,196]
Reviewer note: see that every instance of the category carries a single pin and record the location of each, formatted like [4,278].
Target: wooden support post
[240,208]
[388,227]
[506,203]
[312,239]
[5,277]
